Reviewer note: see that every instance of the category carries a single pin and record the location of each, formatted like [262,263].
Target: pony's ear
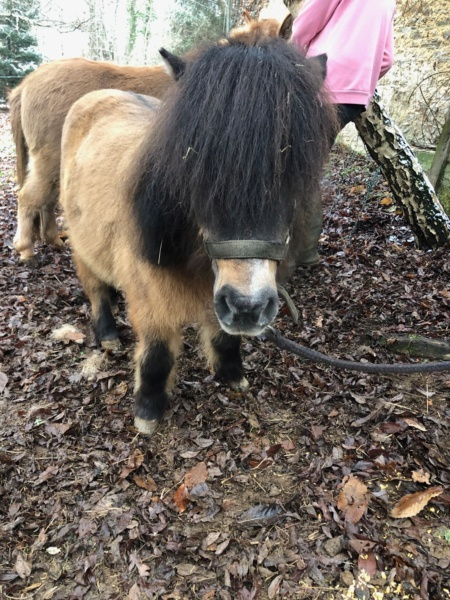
[174,64]
[321,64]
[285,30]
[247,16]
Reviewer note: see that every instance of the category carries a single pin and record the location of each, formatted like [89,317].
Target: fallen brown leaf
[357,189]
[22,567]
[211,539]
[353,499]
[58,429]
[186,569]
[412,422]
[411,504]
[181,498]
[391,427]
[222,547]
[86,527]
[362,546]
[368,563]
[147,483]
[274,587]
[3,381]
[134,593]
[135,460]
[198,474]
[421,476]
[288,444]
[273,450]
[49,472]
[33,586]
[68,333]
[317,432]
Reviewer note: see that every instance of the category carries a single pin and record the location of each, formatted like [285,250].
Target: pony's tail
[15,109]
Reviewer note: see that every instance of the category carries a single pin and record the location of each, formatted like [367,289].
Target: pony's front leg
[223,352]
[49,229]
[100,295]
[155,367]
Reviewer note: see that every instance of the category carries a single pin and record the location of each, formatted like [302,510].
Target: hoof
[145,426]
[25,249]
[26,255]
[311,262]
[240,386]
[31,260]
[57,243]
[112,345]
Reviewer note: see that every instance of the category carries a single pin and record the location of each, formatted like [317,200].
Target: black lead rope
[270,333]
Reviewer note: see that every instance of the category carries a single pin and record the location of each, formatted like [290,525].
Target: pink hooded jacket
[357,36]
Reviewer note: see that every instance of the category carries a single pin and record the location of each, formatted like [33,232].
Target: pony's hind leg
[223,352]
[155,368]
[37,200]
[99,294]
[27,227]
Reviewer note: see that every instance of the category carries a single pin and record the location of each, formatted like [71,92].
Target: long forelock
[244,135]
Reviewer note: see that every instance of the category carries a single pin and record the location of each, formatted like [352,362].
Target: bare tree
[410,185]
[441,157]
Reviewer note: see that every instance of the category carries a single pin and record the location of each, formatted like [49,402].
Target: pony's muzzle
[241,314]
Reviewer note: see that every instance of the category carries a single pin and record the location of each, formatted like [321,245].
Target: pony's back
[49,92]
[102,138]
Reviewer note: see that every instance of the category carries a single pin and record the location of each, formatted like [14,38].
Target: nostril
[258,311]
[224,307]
[267,311]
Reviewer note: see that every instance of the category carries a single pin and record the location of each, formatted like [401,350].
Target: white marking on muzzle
[249,276]
[251,279]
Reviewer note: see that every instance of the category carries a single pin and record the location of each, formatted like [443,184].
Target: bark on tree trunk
[417,345]
[441,157]
[410,186]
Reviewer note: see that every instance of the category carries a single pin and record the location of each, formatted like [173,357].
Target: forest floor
[287,491]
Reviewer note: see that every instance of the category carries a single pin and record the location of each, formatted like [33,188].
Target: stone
[333,546]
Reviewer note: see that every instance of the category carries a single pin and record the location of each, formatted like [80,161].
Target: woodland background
[289,491]
[416,91]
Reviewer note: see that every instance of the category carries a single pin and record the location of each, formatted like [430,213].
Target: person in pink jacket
[357,37]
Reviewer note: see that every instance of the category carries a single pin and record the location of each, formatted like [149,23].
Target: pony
[189,207]
[38,107]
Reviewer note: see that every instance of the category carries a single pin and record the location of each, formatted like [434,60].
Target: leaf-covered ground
[291,490]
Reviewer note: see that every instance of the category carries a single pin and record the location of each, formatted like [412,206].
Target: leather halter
[247,249]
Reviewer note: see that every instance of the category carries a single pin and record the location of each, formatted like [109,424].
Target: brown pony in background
[38,107]
[191,206]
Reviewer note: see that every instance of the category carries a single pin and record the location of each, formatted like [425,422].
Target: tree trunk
[410,186]
[441,157]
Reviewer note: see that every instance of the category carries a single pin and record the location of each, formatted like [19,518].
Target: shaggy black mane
[239,141]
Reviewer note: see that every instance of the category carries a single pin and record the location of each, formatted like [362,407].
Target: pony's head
[237,150]
[267,24]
